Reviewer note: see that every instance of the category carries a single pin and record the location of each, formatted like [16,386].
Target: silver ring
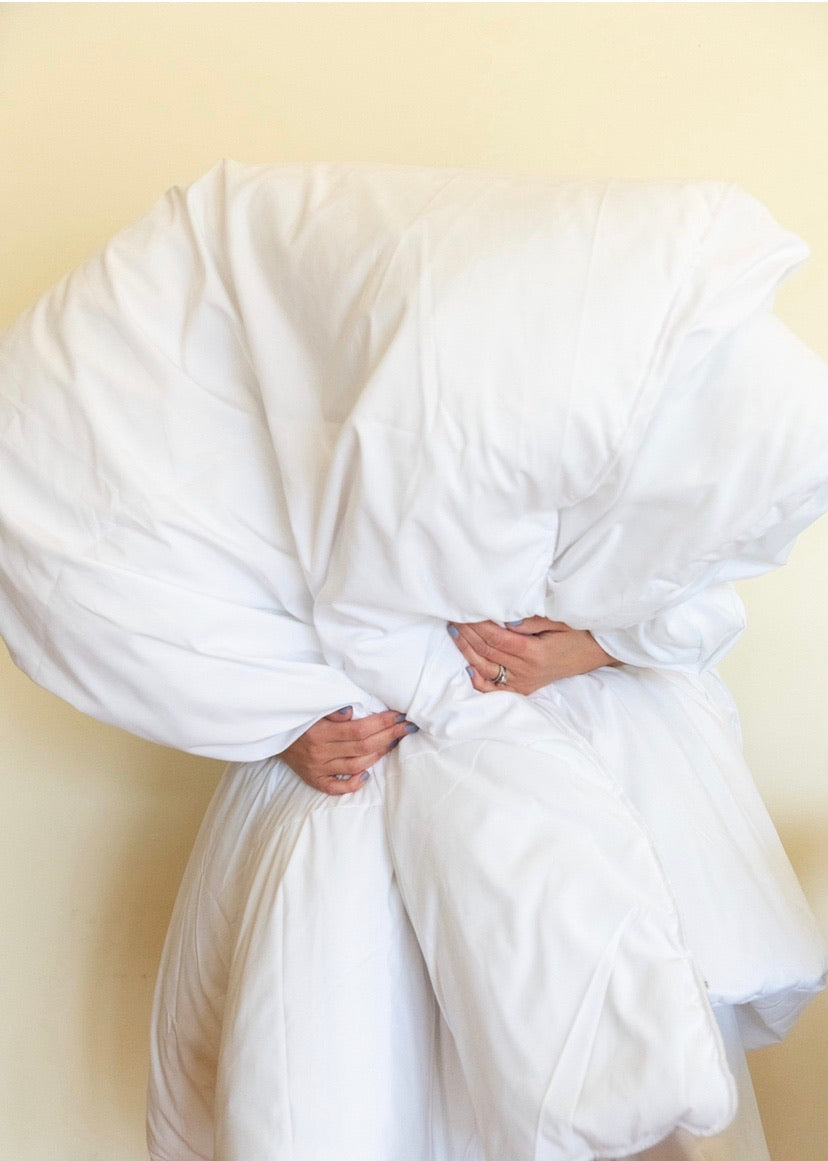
[502,676]
[342,777]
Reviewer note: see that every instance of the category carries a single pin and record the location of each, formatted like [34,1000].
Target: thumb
[341,715]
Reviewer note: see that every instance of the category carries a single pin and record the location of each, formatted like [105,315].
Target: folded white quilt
[258,450]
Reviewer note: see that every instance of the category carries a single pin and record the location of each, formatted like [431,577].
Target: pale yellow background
[104,107]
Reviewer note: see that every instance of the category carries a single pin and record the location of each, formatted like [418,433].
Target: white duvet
[255,454]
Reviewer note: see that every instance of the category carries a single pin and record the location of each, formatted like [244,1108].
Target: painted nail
[344,709]
[399,718]
[364,777]
[453,631]
[412,729]
[395,743]
[470,671]
[514,624]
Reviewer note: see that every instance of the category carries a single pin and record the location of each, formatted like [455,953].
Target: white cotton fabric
[296,410]
[261,447]
[294,1017]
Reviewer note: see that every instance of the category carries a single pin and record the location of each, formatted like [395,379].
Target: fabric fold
[537,899]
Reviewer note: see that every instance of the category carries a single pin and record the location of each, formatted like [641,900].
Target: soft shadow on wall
[99,846]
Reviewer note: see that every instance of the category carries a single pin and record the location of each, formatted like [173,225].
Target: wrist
[600,654]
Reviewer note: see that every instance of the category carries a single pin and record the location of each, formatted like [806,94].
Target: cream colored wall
[101,109]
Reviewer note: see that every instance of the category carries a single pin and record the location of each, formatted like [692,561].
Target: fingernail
[470,671]
[412,729]
[364,777]
[399,718]
[453,631]
[395,743]
[514,624]
[344,709]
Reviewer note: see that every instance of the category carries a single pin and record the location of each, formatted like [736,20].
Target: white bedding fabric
[294,1018]
[255,454]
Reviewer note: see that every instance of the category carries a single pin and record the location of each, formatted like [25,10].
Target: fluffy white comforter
[264,445]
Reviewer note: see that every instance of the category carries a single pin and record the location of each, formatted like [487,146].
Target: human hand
[533,653]
[335,754]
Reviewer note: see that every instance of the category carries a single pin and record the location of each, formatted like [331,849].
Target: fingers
[482,667]
[358,773]
[494,643]
[341,715]
[335,755]
[481,684]
[531,626]
[525,656]
[336,789]
[481,671]
[480,645]
[332,779]
[362,735]
[353,766]
[345,776]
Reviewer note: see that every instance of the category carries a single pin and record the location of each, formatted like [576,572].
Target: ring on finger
[342,777]
[502,676]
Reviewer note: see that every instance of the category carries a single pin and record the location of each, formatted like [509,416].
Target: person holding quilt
[418,495]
